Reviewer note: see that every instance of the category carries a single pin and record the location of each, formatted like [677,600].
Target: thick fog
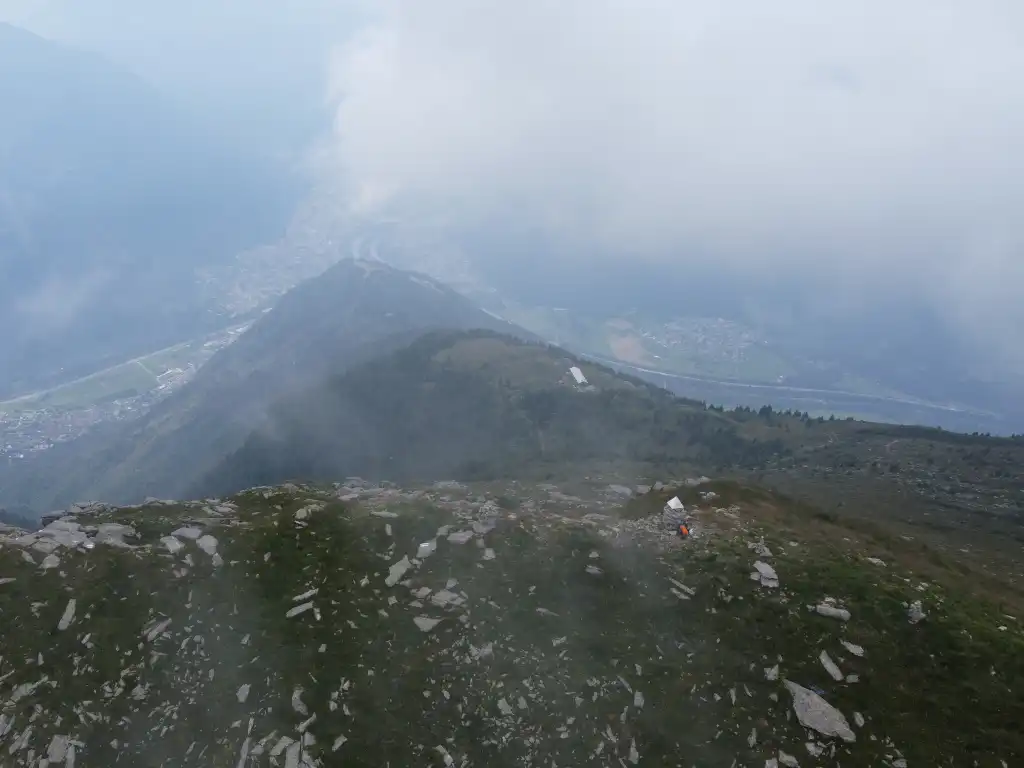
[255,69]
[875,146]
[880,145]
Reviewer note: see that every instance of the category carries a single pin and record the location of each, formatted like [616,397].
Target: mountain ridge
[352,312]
[501,584]
[491,405]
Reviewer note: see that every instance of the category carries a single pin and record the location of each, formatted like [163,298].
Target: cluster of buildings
[711,337]
[26,431]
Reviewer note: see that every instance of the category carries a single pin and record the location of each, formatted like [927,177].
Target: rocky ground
[493,625]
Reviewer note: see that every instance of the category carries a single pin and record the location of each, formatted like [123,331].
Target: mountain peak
[464,404]
[354,311]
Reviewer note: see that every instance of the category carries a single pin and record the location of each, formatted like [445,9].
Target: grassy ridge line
[942,690]
[577,666]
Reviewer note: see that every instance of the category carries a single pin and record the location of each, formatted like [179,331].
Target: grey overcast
[874,145]
[881,143]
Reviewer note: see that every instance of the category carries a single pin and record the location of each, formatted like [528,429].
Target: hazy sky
[876,143]
[257,67]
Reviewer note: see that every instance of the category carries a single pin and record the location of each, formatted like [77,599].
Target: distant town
[254,280]
[35,424]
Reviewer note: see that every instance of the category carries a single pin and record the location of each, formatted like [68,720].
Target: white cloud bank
[863,136]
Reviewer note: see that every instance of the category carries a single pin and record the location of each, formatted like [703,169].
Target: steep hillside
[481,405]
[502,625]
[476,405]
[351,313]
[110,198]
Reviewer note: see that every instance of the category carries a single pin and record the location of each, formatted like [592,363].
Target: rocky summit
[512,624]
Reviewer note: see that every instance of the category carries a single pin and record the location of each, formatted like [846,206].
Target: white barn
[577,374]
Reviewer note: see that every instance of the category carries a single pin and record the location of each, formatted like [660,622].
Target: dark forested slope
[476,405]
[352,313]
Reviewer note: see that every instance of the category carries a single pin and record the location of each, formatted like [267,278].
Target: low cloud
[877,144]
[254,68]
[57,302]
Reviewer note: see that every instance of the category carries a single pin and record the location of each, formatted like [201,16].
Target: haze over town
[841,182]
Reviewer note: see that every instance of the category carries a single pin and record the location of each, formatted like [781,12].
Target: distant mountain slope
[109,199]
[474,405]
[353,312]
[479,406]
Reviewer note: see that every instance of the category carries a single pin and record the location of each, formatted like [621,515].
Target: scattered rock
[298,610]
[445,597]
[915,612]
[766,575]
[173,545]
[830,666]
[298,704]
[460,537]
[208,544]
[425,623]
[397,571]
[824,609]
[68,617]
[814,749]
[57,752]
[426,549]
[64,533]
[114,534]
[817,714]
[49,562]
[760,548]
[856,650]
[157,628]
